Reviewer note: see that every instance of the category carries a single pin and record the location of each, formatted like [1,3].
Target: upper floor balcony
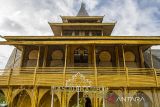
[82,65]
[81,76]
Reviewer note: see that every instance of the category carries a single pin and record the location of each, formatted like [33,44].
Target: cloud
[31,17]
[11,26]
[134,17]
[5,52]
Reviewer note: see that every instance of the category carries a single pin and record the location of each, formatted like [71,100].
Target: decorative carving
[33,55]
[129,56]
[78,80]
[57,55]
[105,56]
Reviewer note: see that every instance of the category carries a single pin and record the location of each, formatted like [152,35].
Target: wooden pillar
[152,64]
[35,97]
[102,32]
[9,97]
[125,67]
[35,90]
[95,67]
[39,51]
[90,51]
[65,66]
[64,100]
[141,57]
[96,76]
[104,102]
[78,96]
[35,70]
[45,56]
[126,103]
[117,56]
[124,60]
[52,99]
[22,56]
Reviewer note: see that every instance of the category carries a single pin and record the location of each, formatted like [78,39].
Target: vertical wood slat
[65,65]
[124,60]
[35,71]
[152,65]
[117,59]
[95,66]
[126,69]
[35,99]
[141,57]
[22,56]
[9,75]
[117,56]
[45,56]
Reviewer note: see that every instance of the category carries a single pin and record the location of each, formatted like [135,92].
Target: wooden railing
[103,76]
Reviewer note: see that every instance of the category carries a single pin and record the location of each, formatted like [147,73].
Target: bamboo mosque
[81,65]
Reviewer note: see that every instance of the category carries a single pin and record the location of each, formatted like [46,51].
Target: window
[67,33]
[96,33]
[81,55]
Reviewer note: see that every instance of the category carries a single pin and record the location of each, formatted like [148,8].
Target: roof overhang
[99,18]
[53,40]
[106,27]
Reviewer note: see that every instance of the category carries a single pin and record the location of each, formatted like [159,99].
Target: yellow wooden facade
[49,70]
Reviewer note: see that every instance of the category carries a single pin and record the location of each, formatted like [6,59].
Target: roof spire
[83,11]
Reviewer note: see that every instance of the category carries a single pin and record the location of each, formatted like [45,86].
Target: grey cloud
[30,17]
[12,25]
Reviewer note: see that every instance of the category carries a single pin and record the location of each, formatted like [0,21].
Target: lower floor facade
[77,96]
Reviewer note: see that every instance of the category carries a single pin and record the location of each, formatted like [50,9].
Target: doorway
[83,101]
[80,56]
[87,102]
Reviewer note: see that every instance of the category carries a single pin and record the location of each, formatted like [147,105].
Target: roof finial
[83,11]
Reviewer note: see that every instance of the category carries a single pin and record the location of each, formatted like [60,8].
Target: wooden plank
[104,37]
[104,42]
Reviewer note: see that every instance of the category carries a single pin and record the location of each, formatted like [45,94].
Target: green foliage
[2,99]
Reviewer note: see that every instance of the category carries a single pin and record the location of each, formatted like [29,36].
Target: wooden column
[95,67]
[125,67]
[124,60]
[9,97]
[35,71]
[126,103]
[102,32]
[35,90]
[22,56]
[52,99]
[117,56]
[96,76]
[65,65]
[45,56]
[35,96]
[152,65]
[141,57]
[64,100]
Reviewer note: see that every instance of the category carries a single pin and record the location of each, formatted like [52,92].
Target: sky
[31,17]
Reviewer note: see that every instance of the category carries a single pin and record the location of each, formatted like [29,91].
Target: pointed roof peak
[83,11]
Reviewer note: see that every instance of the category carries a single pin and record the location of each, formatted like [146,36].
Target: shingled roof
[83,11]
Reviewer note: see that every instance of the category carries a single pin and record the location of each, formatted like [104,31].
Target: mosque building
[81,65]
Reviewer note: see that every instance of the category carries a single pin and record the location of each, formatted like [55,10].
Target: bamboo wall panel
[108,77]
